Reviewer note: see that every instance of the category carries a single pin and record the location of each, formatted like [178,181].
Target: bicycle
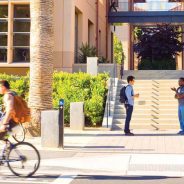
[22,158]
[18,131]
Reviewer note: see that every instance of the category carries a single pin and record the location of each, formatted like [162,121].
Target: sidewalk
[110,152]
[144,142]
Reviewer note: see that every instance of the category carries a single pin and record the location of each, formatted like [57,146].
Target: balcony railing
[141,5]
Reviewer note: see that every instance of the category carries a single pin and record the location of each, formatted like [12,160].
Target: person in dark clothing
[113,6]
[129,104]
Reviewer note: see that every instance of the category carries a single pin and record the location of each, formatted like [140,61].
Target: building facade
[133,13]
[75,22]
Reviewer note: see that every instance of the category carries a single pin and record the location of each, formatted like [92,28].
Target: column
[68,35]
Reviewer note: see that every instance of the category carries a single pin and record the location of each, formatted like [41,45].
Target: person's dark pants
[129,110]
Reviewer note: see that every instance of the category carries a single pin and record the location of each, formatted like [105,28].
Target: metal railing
[111,95]
[109,99]
[123,5]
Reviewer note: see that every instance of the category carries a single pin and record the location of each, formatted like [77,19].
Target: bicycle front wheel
[18,133]
[23,159]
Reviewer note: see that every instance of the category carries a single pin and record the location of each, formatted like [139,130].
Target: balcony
[146,11]
[149,5]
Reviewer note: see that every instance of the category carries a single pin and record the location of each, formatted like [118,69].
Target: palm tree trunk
[41,64]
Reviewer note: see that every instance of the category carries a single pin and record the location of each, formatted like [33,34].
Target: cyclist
[8,101]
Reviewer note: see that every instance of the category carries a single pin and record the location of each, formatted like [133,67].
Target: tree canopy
[118,50]
[162,42]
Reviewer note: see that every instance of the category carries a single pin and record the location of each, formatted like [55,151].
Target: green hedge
[75,87]
[164,64]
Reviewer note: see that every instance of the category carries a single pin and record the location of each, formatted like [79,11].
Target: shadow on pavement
[101,148]
[120,135]
[96,147]
[104,177]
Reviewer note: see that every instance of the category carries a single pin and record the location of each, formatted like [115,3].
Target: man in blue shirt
[129,104]
[180,96]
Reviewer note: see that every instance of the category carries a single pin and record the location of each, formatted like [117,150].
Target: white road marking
[64,179]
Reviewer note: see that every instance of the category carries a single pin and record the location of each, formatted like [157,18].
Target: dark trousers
[129,110]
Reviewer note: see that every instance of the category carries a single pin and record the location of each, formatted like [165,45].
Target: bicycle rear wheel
[23,159]
[18,132]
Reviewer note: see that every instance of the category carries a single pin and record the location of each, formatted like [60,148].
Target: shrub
[83,87]
[75,87]
[86,51]
[164,64]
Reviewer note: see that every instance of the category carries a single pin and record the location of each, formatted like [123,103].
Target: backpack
[123,98]
[21,112]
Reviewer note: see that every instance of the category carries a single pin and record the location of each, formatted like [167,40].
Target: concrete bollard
[77,115]
[52,128]
[92,65]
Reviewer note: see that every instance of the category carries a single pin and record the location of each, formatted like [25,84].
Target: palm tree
[41,64]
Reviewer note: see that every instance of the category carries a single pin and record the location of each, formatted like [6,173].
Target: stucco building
[75,22]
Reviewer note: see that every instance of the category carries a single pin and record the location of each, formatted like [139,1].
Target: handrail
[109,99]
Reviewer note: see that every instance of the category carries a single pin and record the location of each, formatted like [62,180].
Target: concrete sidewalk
[106,152]
[144,142]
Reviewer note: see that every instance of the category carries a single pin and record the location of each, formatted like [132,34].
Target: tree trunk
[41,64]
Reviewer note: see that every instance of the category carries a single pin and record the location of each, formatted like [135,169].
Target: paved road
[42,177]
[45,174]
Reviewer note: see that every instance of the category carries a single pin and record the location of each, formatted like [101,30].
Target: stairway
[156,107]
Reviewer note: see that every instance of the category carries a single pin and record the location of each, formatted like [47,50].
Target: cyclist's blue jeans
[181,116]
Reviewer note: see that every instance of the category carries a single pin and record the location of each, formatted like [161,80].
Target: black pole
[111,88]
[107,115]
[114,73]
[109,102]
[61,127]
[61,123]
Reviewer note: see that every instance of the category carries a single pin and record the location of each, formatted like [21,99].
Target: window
[21,26]
[3,40]
[3,55]
[21,36]
[21,54]
[3,26]
[21,11]
[21,40]
[3,32]
[3,11]
[76,36]
[91,35]
[100,43]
